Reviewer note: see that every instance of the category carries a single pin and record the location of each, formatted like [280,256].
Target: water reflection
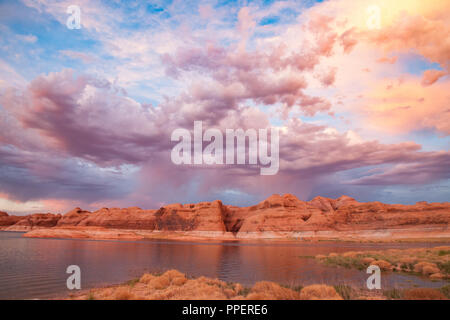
[35,268]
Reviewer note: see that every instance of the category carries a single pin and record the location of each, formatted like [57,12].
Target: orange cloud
[431,76]
[407,106]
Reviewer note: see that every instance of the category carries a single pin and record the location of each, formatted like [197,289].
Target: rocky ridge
[277,216]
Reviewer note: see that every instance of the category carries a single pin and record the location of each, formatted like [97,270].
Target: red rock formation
[130,218]
[205,216]
[73,217]
[279,214]
[7,220]
[37,220]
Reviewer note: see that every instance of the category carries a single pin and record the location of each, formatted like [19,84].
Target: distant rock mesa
[276,217]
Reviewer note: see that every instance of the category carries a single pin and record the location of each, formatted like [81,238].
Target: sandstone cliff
[32,221]
[7,220]
[278,215]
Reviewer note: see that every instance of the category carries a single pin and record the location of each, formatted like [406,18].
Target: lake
[32,268]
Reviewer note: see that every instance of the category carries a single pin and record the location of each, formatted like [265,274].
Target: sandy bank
[429,233]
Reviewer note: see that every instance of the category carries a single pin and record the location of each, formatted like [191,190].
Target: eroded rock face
[129,218]
[7,220]
[277,213]
[280,213]
[204,216]
[37,220]
[73,217]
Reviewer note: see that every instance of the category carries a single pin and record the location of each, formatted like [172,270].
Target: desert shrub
[443,252]
[297,288]
[407,266]
[332,255]
[425,267]
[427,270]
[436,276]
[172,274]
[201,288]
[146,278]
[123,293]
[367,260]
[319,292]
[245,291]
[393,294]
[346,262]
[444,266]
[90,296]
[160,282]
[345,291]
[384,265]
[446,290]
[271,291]
[350,254]
[175,277]
[132,282]
[423,294]
[179,281]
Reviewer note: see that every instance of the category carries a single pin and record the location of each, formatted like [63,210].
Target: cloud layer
[350,102]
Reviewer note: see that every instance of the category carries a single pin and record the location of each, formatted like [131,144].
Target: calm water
[35,268]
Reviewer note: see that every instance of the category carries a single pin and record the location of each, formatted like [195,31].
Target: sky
[359,91]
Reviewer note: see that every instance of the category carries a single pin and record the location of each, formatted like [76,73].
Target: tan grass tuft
[384,265]
[367,260]
[423,294]
[426,268]
[146,278]
[123,293]
[271,291]
[319,292]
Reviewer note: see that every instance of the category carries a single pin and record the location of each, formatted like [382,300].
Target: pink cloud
[406,106]
[431,76]
[91,130]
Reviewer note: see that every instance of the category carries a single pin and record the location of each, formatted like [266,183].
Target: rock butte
[278,217]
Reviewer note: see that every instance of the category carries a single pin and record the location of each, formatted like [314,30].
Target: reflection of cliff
[276,214]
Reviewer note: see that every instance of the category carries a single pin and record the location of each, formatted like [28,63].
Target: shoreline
[174,285]
[431,263]
[407,234]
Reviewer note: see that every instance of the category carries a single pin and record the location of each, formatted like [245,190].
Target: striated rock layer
[276,217]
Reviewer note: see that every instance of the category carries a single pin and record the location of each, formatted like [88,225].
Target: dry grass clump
[431,262]
[367,260]
[266,290]
[437,276]
[384,265]
[350,254]
[123,293]
[333,254]
[426,268]
[319,292]
[168,278]
[146,278]
[423,294]
[174,285]
[192,290]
